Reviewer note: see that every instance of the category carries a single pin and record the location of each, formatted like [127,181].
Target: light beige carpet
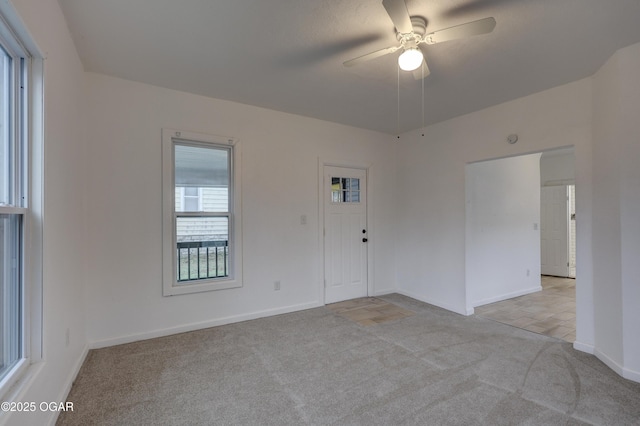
[316,367]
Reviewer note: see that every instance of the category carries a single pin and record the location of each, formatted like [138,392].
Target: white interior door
[572,230]
[554,230]
[345,233]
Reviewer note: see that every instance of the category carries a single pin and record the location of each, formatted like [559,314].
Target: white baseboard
[608,361]
[584,347]
[200,325]
[631,375]
[64,392]
[621,370]
[506,296]
[384,292]
[437,303]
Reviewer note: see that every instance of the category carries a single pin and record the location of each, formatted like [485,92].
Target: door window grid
[345,190]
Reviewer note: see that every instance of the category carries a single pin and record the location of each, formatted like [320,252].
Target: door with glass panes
[345,233]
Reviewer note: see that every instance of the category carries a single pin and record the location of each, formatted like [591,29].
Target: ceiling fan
[412,38]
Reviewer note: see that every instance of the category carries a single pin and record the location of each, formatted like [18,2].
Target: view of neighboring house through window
[202,213]
[202,219]
[191,199]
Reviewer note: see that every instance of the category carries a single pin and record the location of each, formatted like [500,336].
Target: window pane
[6,161]
[202,247]
[345,190]
[10,291]
[203,170]
[190,204]
[191,191]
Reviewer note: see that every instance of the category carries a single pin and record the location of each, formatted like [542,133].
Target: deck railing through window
[199,260]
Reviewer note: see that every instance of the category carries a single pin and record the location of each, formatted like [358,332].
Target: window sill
[14,387]
[201,286]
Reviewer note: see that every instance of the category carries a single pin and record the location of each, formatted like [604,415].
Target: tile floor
[551,312]
[369,310]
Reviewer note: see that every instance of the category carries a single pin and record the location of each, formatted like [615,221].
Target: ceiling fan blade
[370,56]
[397,10]
[481,26]
[418,73]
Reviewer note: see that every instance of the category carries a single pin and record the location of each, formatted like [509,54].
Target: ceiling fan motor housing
[412,39]
[411,34]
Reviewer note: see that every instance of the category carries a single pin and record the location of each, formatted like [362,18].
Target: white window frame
[170,285]
[28,186]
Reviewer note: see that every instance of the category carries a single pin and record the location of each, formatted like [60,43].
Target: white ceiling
[287,54]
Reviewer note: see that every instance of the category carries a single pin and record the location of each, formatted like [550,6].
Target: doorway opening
[522,209]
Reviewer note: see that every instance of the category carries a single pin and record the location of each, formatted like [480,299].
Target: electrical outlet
[67,337]
[276,285]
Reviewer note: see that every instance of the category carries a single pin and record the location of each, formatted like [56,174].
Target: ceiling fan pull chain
[398,114]
[422,98]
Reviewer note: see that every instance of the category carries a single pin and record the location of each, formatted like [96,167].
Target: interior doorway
[555,217]
[550,307]
[572,231]
[558,213]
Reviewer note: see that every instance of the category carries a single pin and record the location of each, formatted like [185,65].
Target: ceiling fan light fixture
[410,59]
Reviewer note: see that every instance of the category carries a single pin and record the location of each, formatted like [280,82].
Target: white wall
[557,169]
[630,209]
[502,229]
[109,178]
[598,117]
[280,154]
[606,212]
[431,175]
[64,246]
[616,133]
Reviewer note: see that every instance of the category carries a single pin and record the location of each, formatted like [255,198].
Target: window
[345,190]
[15,214]
[201,233]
